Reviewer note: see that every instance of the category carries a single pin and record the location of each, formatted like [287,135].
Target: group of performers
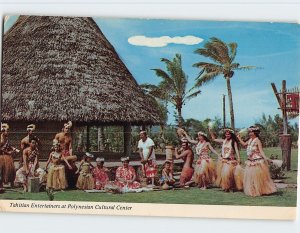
[228,174]
[61,171]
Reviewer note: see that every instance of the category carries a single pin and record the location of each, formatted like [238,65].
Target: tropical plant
[223,55]
[173,86]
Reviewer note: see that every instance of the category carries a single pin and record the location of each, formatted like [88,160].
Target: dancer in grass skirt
[229,172]
[7,168]
[56,178]
[257,178]
[85,180]
[205,172]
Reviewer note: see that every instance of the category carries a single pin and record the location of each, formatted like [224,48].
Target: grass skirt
[205,172]
[56,178]
[8,169]
[85,181]
[229,175]
[257,179]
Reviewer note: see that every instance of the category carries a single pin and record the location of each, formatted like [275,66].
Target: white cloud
[163,40]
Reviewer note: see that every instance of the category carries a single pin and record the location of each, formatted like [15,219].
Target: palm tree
[173,86]
[223,56]
[159,100]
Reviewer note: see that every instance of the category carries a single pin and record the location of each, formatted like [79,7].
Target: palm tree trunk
[230,103]
[180,120]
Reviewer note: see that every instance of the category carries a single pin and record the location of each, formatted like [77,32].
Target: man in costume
[185,153]
[30,166]
[65,140]
[25,142]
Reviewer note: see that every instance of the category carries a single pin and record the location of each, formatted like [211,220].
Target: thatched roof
[63,68]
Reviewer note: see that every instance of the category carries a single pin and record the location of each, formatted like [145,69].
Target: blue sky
[275,47]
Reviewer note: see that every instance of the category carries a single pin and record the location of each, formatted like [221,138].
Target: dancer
[7,168]
[65,140]
[185,153]
[85,180]
[229,172]
[205,172]
[25,142]
[257,178]
[56,178]
[30,166]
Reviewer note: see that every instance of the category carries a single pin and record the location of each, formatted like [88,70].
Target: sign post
[289,104]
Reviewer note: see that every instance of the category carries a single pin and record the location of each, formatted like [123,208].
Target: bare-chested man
[30,166]
[25,142]
[185,153]
[65,140]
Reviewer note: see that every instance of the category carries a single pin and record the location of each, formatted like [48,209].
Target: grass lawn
[214,196]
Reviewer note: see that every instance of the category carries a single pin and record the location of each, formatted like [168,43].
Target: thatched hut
[57,69]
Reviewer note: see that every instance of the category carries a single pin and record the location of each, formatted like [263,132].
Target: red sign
[292,102]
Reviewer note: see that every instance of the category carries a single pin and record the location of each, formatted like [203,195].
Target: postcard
[149,117]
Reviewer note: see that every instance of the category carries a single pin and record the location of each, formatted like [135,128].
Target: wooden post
[224,112]
[283,108]
[285,139]
[127,139]
[88,138]
[100,135]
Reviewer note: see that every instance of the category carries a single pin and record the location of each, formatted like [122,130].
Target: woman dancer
[56,178]
[257,178]
[85,180]
[229,173]
[7,168]
[205,172]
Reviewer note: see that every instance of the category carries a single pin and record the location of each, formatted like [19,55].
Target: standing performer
[229,172]
[7,168]
[56,178]
[65,140]
[100,174]
[146,151]
[205,173]
[126,176]
[25,142]
[30,165]
[185,153]
[85,180]
[257,178]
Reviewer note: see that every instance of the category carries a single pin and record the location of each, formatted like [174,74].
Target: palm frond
[191,96]
[209,54]
[164,75]
[233,49]
[209,67]
[206,78]
[247,68]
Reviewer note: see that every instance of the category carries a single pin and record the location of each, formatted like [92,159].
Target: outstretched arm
[241,141]
[214,138]
[189,138]
[213,150]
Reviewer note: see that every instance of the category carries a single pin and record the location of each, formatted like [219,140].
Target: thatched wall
[63,68]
